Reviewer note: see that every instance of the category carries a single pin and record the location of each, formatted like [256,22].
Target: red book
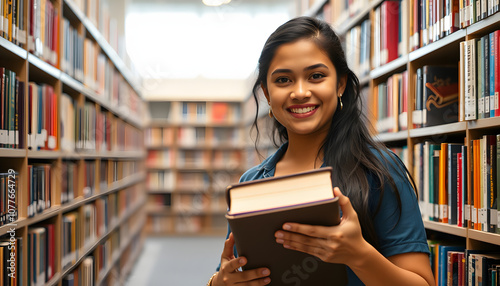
[461,267]
[497,71]
[390,12]
[459,191]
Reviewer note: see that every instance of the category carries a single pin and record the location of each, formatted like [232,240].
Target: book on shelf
[43,117]
[43,30]
[439,95]
[41,254]
[40,184]
[9,194]
[11,254]
[71,239]
[257,209]
[12,102]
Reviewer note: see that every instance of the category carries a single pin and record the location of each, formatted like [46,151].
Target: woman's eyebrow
[315,67]
[305,69]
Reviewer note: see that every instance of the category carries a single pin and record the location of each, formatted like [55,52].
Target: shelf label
[482,215]
[493,217]
[474,215]
[467,212]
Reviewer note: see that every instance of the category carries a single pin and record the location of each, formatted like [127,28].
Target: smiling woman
[315,100]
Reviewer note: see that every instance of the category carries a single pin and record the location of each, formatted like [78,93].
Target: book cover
[253,230]
[443,183]
[440,95]
[452,169]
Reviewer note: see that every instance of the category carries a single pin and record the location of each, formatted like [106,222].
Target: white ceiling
[173,40]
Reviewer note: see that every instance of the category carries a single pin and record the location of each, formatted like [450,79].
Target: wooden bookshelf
[444,50]
[195,149]
[108,165]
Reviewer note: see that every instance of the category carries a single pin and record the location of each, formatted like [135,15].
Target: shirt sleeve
[399,232]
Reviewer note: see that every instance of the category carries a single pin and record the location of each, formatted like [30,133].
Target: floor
[177,261]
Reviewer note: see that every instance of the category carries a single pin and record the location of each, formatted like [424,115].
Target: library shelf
[446,228]
[9,49]
[44,154]
[492,238]
[451,128]
[12,153]
[389,68]
[445,51]
[316,7]
[364,80]
[44,67]
[485,123]
[22,222]
[186,131]
[131,262]
[105,46]
[484,26]
[104,273]
[436,46]
[87,251]
[344,25]
[391,137]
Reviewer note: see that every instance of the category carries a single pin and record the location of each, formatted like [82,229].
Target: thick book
[440,95]
[257,209]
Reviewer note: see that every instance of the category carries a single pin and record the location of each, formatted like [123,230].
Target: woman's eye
[282,80]
[317,76]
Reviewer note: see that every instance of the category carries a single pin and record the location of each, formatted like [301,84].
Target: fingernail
[267,280]
[287,227]
[265,272]
[279,240]
[241,261]
[279,234]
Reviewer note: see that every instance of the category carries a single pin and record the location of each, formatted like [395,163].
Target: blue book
[492,74]
[486,74]
[443,262]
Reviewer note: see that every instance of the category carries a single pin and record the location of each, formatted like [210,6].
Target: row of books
[160,200]
[390,32]
[344,9]
[40,182]
[160,180]
[128,138]
[160,159]
[390,103]
[12,21]
[431,20]
[480,72]
[9,195]
[11,259]
[212,112]
[42,117]
[157,136]
[11,103]
[41,254]
[441,172]
[452,264]
[474,11]
[43,30]
[357,48]
[192,136]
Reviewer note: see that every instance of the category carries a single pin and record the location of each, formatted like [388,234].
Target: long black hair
[349,144]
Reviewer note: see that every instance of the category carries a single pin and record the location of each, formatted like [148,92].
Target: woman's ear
[342,84]
[266,93]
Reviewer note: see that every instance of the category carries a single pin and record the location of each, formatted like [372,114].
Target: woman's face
[302,88]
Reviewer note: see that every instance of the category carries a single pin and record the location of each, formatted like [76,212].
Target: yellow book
[443,183]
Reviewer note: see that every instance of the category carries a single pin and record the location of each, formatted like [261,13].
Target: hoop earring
[271,113]
[340,98]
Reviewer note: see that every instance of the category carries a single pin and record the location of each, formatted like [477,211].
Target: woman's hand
[343,243]
[229,274]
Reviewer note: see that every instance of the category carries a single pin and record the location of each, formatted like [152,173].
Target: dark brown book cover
[254,237]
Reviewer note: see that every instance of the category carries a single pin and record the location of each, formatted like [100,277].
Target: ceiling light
[215,2]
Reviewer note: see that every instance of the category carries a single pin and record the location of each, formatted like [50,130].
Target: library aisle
[176,261]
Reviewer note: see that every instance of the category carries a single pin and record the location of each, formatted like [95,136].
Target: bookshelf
[75,145]
[195,150]
[441,47]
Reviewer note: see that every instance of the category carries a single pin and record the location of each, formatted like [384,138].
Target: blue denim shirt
[396,234]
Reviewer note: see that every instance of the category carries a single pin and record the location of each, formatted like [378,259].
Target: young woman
[315,101]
